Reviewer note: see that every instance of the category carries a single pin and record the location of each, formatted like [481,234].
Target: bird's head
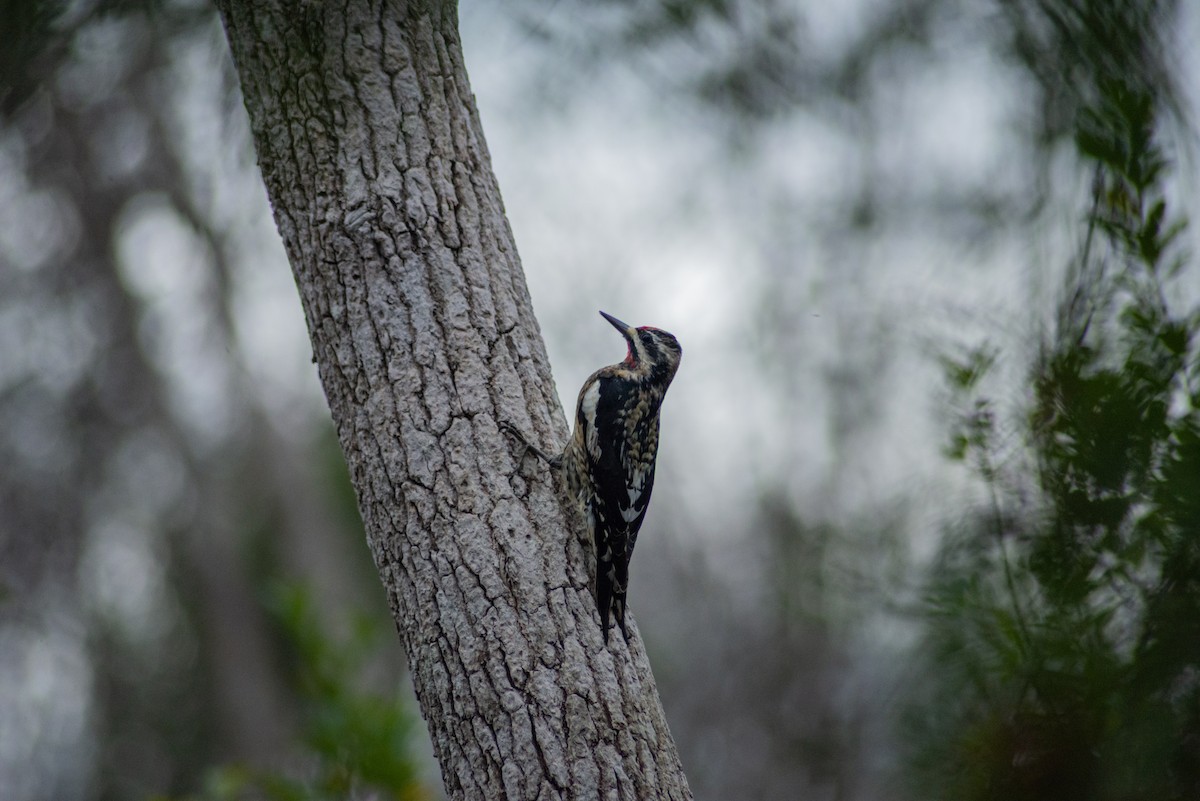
[653,353]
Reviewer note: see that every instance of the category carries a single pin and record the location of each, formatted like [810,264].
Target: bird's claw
[526,446]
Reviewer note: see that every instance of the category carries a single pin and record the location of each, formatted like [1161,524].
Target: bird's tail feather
[604,597]
[618,608]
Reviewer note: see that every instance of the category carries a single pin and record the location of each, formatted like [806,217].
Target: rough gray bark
[424,336]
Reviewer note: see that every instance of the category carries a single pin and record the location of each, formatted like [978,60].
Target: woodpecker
[608,464]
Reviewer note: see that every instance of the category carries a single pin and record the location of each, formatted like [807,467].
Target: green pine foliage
[1061,649]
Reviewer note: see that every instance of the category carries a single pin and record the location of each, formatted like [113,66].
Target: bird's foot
[526,446]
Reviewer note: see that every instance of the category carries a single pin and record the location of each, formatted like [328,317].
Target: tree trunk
[424,336]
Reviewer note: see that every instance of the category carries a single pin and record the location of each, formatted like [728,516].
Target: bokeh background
[928,516]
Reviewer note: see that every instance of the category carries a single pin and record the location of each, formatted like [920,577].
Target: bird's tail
[611,584]
[618,607]
[604,594]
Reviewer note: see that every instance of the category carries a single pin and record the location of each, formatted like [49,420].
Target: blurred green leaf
[358,741]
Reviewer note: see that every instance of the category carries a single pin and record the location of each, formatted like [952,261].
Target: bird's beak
[624,328]
[627,331]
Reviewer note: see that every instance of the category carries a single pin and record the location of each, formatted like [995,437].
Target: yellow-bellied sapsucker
[608,463]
